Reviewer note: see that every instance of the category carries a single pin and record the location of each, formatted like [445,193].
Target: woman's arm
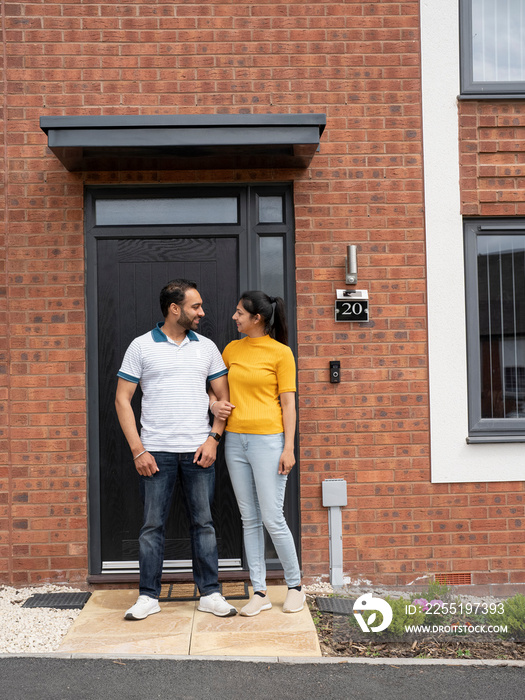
[287,459]
[220,406]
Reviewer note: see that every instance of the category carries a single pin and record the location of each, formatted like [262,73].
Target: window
[495,276]
[492,47]
[161,211]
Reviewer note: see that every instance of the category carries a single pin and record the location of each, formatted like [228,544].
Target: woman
[259,441]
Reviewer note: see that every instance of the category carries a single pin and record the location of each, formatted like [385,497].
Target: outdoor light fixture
[351,264]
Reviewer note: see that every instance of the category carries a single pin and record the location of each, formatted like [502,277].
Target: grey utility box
[334,492]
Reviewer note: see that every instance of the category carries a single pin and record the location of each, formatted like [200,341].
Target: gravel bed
[32,630]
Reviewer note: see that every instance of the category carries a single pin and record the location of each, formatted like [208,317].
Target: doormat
[235,590]
[60,601]
[338,606]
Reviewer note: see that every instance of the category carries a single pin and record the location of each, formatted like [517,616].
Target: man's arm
[207,452]
[145,464]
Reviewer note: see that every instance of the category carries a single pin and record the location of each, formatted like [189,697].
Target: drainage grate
[60,601]
[453,579]
[338,606]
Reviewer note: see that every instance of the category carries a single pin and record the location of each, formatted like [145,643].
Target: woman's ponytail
[280,324]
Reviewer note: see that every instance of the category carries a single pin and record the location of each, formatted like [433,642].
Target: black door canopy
[184,142]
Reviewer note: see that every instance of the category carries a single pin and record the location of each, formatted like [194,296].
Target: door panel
[131,273]
[127,265]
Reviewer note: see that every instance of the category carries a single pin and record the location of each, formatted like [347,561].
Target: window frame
[470,87]
[484,429]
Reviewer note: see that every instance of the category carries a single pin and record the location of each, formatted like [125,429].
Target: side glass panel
[271,265]
[173,211]
[270,210]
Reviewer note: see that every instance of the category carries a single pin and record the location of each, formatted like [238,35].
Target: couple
[173,365]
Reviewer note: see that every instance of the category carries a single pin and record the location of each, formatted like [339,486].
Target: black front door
[131,273]
[137,241]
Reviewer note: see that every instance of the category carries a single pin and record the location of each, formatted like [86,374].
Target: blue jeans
[253,465]
[198,486]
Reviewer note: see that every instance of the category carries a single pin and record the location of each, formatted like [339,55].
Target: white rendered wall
[452,460]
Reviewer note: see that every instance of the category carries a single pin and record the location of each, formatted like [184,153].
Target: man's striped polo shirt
[173,380]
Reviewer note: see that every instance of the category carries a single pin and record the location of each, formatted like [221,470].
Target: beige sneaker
[255,605]
[294,601]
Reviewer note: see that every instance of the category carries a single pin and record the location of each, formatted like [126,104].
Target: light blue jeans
[253,465]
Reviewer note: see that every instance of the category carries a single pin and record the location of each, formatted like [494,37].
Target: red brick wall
[492,138]
[359,63]
[4,357]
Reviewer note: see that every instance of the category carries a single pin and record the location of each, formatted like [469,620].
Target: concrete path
[180,629]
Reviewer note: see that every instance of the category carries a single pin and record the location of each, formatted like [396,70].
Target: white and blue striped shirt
[173,379]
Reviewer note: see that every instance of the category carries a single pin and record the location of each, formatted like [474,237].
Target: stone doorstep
[181,629]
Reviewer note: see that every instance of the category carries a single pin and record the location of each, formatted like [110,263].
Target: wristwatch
[215,436]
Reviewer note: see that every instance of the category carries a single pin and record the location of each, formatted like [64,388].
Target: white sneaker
[216,604]
[143,607]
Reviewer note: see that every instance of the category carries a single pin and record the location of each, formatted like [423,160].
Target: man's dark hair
[174,293]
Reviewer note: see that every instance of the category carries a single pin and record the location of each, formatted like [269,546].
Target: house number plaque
[352,305]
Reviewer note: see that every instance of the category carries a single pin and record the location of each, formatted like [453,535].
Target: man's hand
[146,464]
[206,454]
[222,409]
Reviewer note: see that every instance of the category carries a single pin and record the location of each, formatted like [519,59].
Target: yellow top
[259,370]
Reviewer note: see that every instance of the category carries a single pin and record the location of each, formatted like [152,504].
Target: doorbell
[335,371]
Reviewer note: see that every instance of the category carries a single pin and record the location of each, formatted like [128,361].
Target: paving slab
[101,628]
[271,633]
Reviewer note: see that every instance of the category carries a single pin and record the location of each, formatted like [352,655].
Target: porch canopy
[184,142]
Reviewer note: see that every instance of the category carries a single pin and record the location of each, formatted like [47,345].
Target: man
[173,365]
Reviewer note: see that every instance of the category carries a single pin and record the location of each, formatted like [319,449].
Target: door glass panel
[271,265]
[189,210]
[270,210]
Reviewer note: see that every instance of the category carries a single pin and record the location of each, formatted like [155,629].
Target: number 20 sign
[353,307]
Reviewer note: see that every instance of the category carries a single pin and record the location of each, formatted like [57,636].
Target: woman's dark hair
[256,302]
[174,293]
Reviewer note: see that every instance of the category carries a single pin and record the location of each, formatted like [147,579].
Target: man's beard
[186,322]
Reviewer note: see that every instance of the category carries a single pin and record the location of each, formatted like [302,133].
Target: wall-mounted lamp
[351,264]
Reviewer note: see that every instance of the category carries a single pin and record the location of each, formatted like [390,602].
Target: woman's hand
[222,409]
[286,461]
